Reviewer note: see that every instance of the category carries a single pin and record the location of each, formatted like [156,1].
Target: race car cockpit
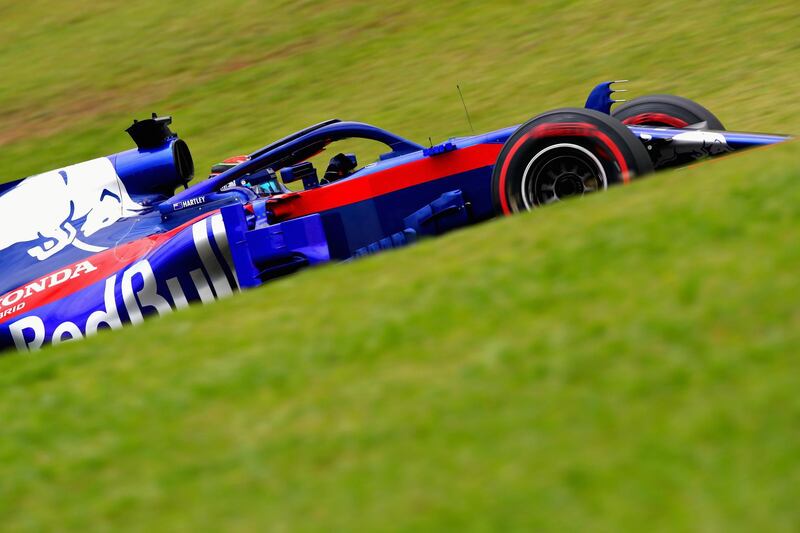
[289,158]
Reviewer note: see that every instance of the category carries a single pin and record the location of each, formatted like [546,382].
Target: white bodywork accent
[43,207]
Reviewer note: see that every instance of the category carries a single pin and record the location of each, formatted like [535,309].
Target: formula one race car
[107,242]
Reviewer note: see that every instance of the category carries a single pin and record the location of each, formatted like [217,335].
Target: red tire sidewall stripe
[504,172]
[655,119]
[565,129]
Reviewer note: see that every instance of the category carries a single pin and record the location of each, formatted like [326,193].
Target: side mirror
[302,171]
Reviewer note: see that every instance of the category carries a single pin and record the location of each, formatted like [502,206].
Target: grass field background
[625,362]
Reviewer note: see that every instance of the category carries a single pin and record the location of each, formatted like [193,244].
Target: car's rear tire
[665,110]
[564,153]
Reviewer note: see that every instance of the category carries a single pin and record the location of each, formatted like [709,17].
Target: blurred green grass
[236,74]
[623,362]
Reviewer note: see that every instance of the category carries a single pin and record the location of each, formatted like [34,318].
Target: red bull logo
[128,295]
[44,209]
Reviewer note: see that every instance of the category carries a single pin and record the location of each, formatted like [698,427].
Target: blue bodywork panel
[107,242]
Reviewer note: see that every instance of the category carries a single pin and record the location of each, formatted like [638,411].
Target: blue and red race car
[108,241]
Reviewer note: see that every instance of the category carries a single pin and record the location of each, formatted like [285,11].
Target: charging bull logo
[45,208]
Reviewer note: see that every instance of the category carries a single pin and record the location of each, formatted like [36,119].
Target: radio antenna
[466,112]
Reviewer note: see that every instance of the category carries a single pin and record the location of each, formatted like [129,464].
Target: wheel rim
[560,171]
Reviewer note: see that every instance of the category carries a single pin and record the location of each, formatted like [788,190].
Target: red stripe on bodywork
[566,129]
[103,265]
[379,183]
